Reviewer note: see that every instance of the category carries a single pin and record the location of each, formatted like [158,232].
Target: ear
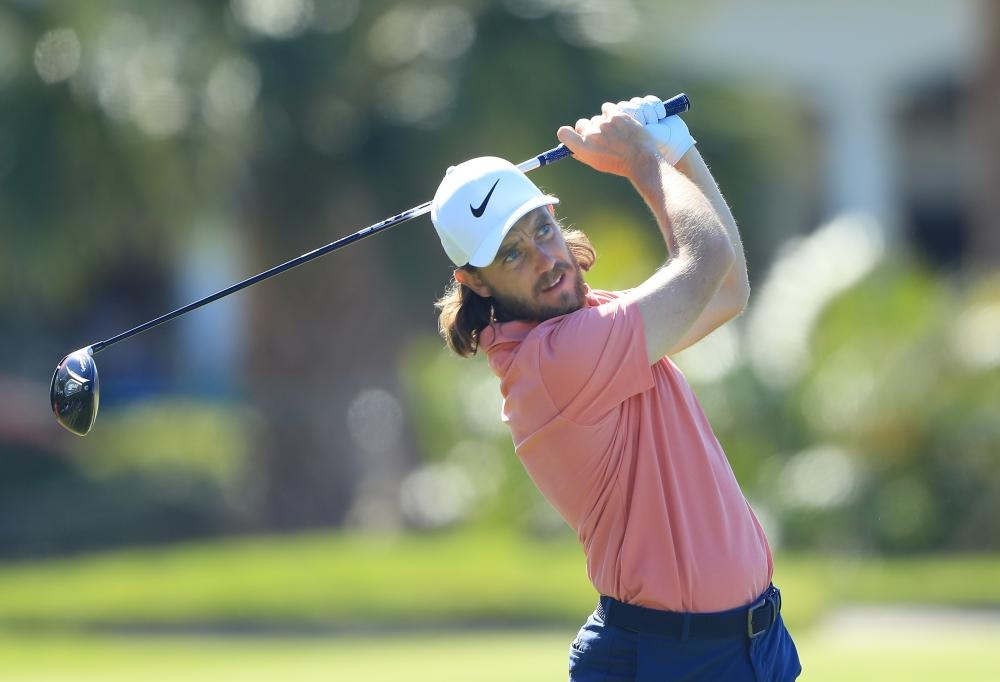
[474,281]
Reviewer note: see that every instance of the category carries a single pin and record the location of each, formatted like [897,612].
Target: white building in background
[869,71]
[210,338]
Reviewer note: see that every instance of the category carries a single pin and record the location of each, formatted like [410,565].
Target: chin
[571,305]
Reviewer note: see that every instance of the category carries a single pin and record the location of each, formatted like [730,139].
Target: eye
[510,256]
[544,230]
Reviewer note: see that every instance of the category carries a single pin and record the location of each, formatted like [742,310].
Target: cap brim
[487,251]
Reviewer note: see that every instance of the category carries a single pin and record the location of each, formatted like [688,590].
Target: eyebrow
[537,217]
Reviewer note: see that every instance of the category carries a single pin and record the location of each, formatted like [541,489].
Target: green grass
[816,585]
[503,655]
[313,579]
[332,580]
[943,656]
[443,607]
[486,657]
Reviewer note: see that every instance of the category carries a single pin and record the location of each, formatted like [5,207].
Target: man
[604,423]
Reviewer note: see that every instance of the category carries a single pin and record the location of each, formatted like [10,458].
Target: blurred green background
[299,480]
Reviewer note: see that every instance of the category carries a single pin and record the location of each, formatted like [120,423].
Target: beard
[507,308]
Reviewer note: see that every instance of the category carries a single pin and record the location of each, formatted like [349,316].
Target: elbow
[718,258]
[737,302]
[738,289]
[734,292]
[732,284]
[744,292]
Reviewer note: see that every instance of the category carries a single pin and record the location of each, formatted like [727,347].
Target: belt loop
[685,626]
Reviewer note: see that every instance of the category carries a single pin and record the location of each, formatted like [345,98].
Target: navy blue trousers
[606,653]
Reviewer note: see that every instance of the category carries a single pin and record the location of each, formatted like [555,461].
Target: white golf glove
[671,133]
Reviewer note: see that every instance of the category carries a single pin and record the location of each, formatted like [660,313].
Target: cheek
[505,282]
[564,252]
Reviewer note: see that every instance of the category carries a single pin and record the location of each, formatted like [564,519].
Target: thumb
[569,137]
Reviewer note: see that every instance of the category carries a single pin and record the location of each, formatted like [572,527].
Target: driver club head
[75,392]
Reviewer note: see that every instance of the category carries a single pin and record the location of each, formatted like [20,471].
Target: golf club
[75,391]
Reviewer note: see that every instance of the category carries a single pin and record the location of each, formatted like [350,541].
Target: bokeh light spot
[808,273]
[713,358]
[446,32]
[392,40]
[819,477]
[57,55]
[838,393]
[596,23]
[375,421]
[274,18]
[975,338]
[161,108]
[416,97]
[436,495]
[231,91]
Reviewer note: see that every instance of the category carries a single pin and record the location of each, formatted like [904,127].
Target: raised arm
[731,298]
[700,256]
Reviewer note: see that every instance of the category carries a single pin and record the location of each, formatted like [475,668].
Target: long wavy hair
[463,313]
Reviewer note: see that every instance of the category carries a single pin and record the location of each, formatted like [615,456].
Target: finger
[631,109]
[649,113]
[582,124]
[609,109]
[646,110]
[661,111]
[569,137]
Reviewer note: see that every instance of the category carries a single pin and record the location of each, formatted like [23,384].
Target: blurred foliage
[144,435]
[133,133]
[886,440]
[49,506]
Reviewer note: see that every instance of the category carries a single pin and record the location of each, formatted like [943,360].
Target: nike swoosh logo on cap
[478,212]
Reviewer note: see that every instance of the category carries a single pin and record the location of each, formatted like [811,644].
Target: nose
[542,259]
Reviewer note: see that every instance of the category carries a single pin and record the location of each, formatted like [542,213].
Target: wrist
[673,137]
[645,164]
[687,163]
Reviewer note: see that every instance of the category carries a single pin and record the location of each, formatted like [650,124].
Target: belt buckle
[764,601]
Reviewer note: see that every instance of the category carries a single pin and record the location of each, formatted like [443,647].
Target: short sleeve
[595,359]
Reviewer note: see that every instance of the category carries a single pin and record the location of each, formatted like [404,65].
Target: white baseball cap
[476,205]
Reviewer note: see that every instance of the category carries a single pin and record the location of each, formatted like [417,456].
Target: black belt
[748,621]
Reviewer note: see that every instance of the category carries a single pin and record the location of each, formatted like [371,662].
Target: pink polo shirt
[624,452]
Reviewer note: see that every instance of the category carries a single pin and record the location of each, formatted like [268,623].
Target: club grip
[677,104]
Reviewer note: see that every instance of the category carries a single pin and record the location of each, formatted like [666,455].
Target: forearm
[693,166]
[688,219]
[675,297]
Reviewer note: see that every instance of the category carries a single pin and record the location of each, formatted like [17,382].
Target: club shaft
[675,105]
[267,274]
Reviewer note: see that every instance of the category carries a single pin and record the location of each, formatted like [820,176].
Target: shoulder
[508,335]
[606,312]
[565,338]
[581,365]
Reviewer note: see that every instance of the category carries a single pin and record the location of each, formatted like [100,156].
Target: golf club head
[75,392]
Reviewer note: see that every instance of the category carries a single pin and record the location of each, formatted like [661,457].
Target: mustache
[558,270]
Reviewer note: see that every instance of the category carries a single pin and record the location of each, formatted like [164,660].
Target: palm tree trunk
[320,339]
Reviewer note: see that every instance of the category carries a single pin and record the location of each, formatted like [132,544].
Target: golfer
[604,423]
